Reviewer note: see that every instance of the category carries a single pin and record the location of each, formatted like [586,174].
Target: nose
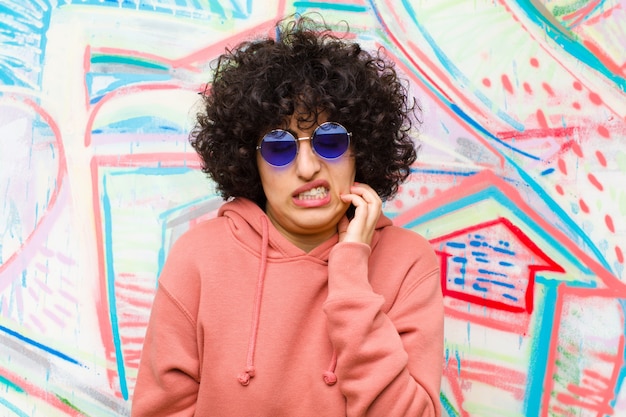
[307,162]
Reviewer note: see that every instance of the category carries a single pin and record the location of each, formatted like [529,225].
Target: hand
[368,209]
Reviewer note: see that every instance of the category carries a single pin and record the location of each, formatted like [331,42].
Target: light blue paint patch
[13,408]
[121,80]
[110,273]
[143,124]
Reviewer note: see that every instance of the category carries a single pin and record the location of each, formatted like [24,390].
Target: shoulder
[395,238]
[206,232]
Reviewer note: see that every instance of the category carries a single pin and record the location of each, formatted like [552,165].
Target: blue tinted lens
[279,148]
[330,140]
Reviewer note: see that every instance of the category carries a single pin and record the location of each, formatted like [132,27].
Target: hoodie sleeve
[168,378]
[387,363]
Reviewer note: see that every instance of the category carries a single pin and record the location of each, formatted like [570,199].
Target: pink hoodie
[244,323]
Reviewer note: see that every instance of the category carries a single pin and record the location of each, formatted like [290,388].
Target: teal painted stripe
[108,244]
[539,354]
[10,384]
[113,59]
[330,6]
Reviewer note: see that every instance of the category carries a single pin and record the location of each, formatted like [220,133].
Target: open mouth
[316,193]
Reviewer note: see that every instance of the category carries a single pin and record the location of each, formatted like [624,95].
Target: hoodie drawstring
[329,376]
[244,377]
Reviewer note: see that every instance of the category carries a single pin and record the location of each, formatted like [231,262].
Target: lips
[314,194]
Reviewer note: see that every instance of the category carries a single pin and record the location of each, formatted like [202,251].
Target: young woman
[301,298]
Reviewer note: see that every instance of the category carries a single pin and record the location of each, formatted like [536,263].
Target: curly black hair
[259,85]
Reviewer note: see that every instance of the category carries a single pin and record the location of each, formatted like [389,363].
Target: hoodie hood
[252,228]
[247,227]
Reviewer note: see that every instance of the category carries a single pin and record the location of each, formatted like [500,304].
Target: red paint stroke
[562,166]
[577,85]
[559,189]
[577,149]
[619,254]
[559,132]
[486,82]
[601,409]
[506,83]
[579,15]
[548,89]
[527,88]
[593,180]
[606,13]
[583,205]
[595,98]
[608,62]
[576,105]
[609,223]
[505,321]
[11,266]
[604,132]
[541,119]
[601,158]
[32,390]
[451,374]
[534,62]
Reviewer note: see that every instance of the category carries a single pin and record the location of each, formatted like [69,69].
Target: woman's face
[303,199]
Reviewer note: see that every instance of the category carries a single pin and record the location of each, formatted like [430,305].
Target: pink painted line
[34,391]
[16,263]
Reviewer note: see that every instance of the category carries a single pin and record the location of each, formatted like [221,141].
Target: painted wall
[519,187]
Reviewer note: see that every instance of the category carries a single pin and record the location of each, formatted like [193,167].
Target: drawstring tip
[330,378]
[244,377]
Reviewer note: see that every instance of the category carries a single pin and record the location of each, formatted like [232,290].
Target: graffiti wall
[519,187]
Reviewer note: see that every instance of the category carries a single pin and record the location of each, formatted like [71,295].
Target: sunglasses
[329,140]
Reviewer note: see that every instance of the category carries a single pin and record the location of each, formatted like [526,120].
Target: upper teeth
[313,193]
